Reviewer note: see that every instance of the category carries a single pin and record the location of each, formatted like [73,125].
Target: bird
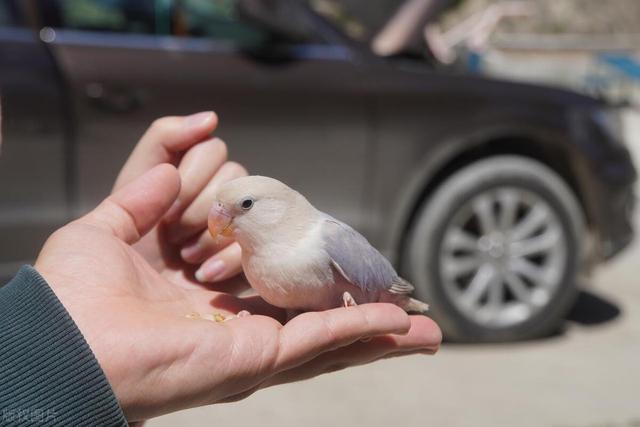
[299,258]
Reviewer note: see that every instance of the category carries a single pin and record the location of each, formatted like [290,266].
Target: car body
[366,138]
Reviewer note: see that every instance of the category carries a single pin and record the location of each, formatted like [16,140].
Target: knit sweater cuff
[48,374]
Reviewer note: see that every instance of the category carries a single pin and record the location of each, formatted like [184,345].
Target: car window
[356,18]
[9,14]
[212,19]
[139,16]
[5,16]
[215,19]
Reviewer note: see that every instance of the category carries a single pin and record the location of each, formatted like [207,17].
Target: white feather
[291,273]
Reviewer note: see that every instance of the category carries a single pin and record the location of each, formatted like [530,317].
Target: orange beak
[220,221]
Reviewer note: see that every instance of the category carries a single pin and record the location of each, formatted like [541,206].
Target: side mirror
[281,18]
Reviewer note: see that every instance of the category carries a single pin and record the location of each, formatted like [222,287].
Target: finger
[236,286]
[309,370]
[320,366]
[424,337]
[309,334]
[223,265]
[196,169]
[203,246]
[422,330]
[137,207]
[164,141]
[194,218]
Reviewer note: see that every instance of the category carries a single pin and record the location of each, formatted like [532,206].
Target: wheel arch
[552,148]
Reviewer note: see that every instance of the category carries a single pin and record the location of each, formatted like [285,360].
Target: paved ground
[587,376]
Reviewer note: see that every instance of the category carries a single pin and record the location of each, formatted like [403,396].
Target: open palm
[121,273]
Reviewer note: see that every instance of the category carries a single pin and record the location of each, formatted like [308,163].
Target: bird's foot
[348,300]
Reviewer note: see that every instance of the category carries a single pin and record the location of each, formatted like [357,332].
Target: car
[490,196]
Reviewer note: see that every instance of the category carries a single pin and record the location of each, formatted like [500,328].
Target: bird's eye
[246,204]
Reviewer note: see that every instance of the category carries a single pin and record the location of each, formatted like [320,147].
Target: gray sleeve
[48,374]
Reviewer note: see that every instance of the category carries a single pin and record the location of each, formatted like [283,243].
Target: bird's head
[255,209]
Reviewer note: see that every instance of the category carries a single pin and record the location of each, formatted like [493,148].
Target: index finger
[423,337]
[306,336]
[164,142]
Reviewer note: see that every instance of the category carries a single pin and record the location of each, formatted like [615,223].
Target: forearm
[48,374]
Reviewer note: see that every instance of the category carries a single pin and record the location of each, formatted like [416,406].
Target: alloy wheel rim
[503,256]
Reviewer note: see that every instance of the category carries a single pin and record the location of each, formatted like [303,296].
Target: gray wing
[359,262]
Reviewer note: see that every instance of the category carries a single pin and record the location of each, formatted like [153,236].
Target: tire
[453,231]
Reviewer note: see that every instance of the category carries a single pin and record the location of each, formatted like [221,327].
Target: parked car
[490,196]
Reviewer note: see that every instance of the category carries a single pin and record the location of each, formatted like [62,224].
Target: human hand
[132,313]
[180,247]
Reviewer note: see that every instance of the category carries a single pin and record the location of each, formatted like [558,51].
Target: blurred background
[486,147]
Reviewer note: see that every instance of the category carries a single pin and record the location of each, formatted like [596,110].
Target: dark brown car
[484,193]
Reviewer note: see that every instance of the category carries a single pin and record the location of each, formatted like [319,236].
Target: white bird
[299,258]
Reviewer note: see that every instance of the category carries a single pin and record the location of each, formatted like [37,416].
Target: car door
[293,111]
[34,161]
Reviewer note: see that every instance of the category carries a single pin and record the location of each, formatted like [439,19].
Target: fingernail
[198,119]
[189,253]
[210,270]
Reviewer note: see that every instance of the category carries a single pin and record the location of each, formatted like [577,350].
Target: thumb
[136,208]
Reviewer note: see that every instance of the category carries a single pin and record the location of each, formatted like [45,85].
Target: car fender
[422,181]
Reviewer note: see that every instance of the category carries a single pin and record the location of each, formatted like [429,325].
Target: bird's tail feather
[412,305]
[405,302]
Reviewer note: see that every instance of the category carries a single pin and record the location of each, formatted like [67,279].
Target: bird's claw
[348,300]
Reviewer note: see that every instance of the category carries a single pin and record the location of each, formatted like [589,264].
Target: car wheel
[495,250]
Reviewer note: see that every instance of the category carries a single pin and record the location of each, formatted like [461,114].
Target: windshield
[358,19]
